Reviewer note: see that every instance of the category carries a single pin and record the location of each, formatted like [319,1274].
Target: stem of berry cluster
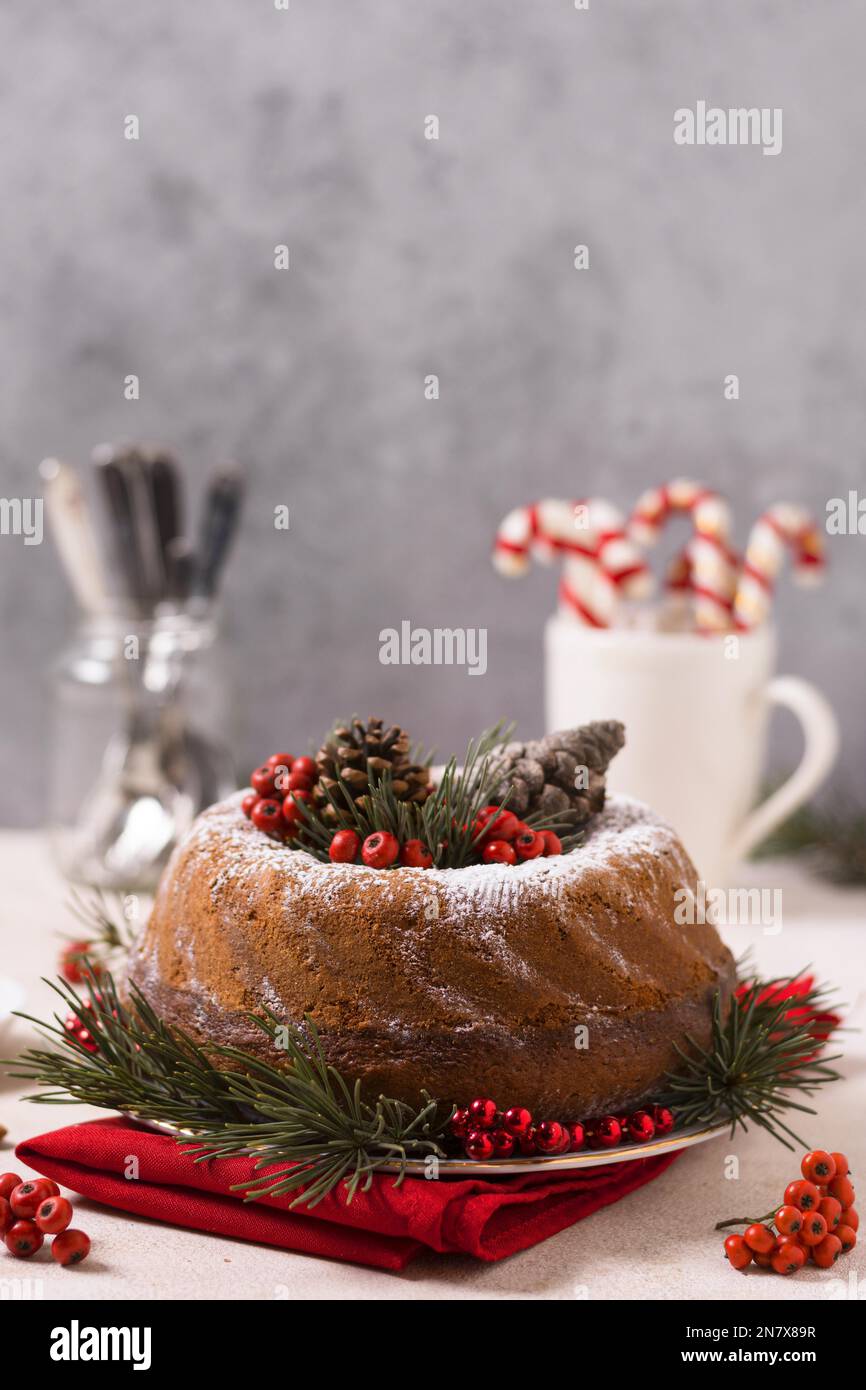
[746,1220]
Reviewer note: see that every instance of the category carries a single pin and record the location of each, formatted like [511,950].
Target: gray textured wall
[408,257]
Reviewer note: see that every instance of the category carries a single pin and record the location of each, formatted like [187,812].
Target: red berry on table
[802,1194]
[549,1136]
[530,845]
[483,1113]
[27,1196]
[380,849]
[576,1136]
[306,767]
[458,1125]
[842,1165]
[70,1247]
[71,961]
[831,1210]
[267,815]
[9,1181]
[478,1145]
[738,1252]
[248,803]
[788,1258]
[7,1216]
[843,1190]
[759,1238]
[416,855]
[818,1166]
[641,1127]
[280,760]
[850,1218]
[663,1118]
[54,1215]
[606,1133]
[24,1238]
[263,781]
[789,1220]
[827,1253]
[504,1143]
[498,852]
[552,843]
[344,847]
[517,1120]
[814,1228]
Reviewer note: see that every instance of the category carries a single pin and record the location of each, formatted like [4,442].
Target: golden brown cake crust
[461,982]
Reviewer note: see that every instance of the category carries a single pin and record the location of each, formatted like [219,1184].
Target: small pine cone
[546,775]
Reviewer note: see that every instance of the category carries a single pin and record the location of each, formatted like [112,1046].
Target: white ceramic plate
[500,1167]
[11,998]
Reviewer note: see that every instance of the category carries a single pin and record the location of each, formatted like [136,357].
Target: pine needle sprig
[303,1116]
[762,1060]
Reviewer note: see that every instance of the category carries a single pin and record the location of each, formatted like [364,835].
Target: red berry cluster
[73,958]
[279,787]
[507,840]
[30,1211]
[487,1132]
[816,1221]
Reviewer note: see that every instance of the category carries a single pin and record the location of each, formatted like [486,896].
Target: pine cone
[357,751]
[560,776]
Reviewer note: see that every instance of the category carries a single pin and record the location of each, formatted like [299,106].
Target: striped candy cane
[600,563]
[782,527]
[707,568]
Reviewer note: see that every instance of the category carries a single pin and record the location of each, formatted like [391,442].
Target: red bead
[280,760]
[482,1113]
[53,1215]
[549,1136]
[458,1125]
[28,1196]
[263,781]
[527,1145]
[23,1239]
[530,845]
[343,848]
[518,1120]
[552,843]
[576,1136]
[267,816]
[8,1181]
[498,852]
[305,767]
[478,1145]
[70,1247]
[503,1143]
[663,1119]
[248,803]
[380,850]
[607,1132]
[292,812]
[416,855]
[7,1216]
[641,1127]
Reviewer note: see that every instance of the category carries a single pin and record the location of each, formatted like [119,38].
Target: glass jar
[139,744]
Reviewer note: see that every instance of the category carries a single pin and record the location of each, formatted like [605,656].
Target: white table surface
[656,1243]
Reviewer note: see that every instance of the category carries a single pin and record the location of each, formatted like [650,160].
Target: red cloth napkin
[385,1227]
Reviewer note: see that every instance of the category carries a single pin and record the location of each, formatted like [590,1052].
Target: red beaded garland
[641,1127]
[482,1113]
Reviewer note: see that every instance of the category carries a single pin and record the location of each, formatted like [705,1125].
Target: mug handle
[821,731]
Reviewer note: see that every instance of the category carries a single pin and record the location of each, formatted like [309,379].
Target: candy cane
[708,568]
[783,526]
[601,563]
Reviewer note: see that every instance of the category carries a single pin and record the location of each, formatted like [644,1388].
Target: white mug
[695,711]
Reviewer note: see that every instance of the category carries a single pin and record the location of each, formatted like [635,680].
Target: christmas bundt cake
[531,953]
